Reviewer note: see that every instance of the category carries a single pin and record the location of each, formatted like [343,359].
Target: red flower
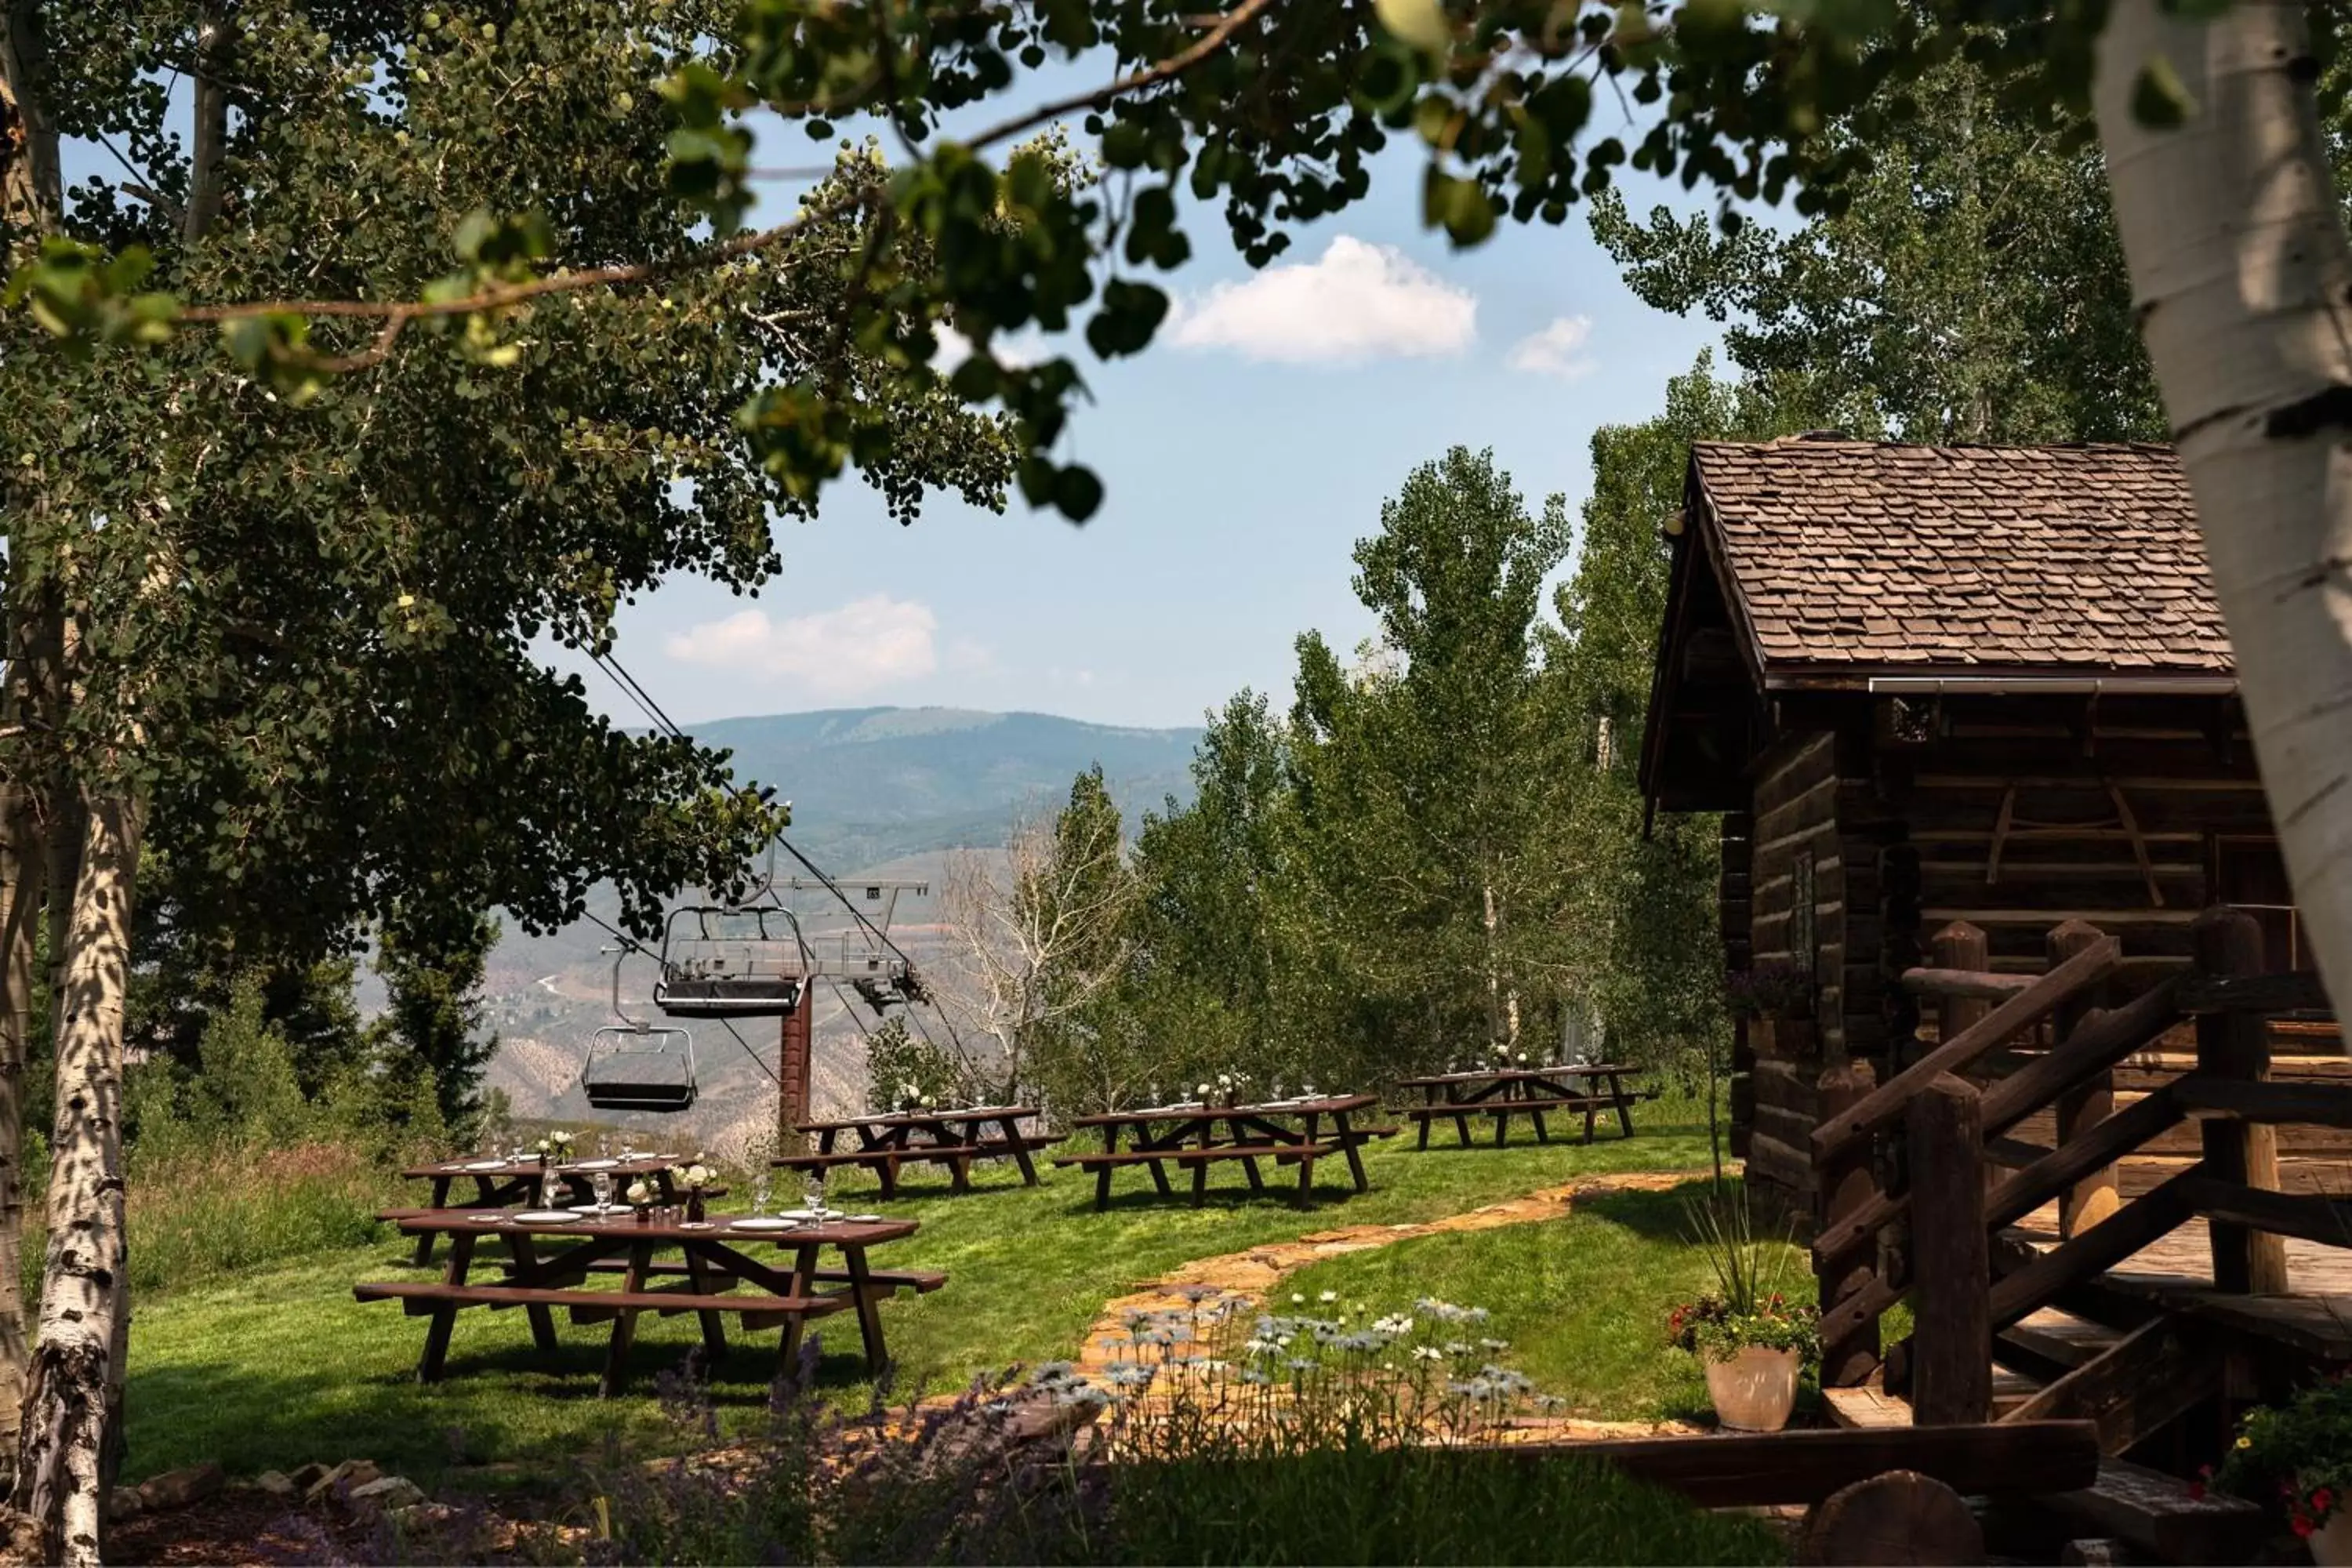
[2197,1490]
[2300,1524]
[2322,1500]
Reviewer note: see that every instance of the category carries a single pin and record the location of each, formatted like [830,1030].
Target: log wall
[2013,814]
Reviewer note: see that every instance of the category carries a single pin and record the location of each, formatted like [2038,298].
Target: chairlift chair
[635,1066]
[732,962]
[639,1066]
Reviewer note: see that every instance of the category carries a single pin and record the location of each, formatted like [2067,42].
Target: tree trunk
[216,34]
[71,1403]
[28,695]
[30,184]
[2242,279]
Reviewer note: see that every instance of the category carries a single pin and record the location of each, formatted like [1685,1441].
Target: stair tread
[1866,1405]
[2156,1514]
[2062,1337]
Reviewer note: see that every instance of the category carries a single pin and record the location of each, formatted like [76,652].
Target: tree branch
[397,314]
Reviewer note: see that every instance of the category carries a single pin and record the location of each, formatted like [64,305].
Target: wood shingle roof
[1844,554]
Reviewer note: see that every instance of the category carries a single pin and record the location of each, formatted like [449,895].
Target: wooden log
[2228,945]
[2088,1103]
[1847,1184]
[1962,948]
[1739,1470]
[2029,1189]
[2309,1104]
[2312,1216]
[2148,1379]
[1983,986]
[2093,1048]
[1888,1102]
[1951,1375]
[2255,992]
[1901,1517]
[2138,1224]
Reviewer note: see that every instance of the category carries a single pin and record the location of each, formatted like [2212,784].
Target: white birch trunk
[71,1398]
[2243,277]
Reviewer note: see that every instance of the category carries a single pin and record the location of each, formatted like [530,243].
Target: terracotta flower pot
[2331,1543]
[1754,1389]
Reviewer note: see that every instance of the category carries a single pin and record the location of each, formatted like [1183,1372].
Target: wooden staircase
[2041,1288]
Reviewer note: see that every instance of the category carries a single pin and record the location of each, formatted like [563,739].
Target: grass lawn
[278,1365]
[1583,1300]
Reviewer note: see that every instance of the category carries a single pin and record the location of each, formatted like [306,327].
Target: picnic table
[954,1138]
[504,1182]
[710,1275]
[1287,1132]
[1505,1092]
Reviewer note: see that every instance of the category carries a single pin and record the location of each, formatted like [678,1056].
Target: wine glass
[600,1183]
[760,1193]
[817,1194]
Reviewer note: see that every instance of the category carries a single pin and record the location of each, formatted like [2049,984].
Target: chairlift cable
[662,720]
[640,947]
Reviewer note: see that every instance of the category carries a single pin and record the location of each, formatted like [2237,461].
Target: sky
[1244,454]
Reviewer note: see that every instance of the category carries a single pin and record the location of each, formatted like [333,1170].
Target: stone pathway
[1243,1280]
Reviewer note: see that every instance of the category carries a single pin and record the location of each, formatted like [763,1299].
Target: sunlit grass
[269,1365]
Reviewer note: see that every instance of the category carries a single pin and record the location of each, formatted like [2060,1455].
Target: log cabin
[1947,687]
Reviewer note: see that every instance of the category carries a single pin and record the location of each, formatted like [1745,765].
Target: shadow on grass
[1662,1216]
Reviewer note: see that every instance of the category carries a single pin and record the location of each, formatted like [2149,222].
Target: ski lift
[732,961]
[636,1066]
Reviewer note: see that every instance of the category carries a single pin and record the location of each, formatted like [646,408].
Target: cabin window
[2249,875]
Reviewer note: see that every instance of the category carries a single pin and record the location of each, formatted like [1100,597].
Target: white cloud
[1557,350]
[867,643]
[1360,302]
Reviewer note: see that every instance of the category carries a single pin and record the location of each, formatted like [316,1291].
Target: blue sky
[1244,454]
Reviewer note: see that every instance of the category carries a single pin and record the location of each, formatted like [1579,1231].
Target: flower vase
[2331,1543]
[694,1207]
[1753,1389]
[644,1214]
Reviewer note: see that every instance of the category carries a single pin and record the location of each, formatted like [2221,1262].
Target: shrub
[2297,1456]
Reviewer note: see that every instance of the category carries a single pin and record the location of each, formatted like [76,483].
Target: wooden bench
[885,1161]
[885,1282]
[1502,1111]
[421,1298]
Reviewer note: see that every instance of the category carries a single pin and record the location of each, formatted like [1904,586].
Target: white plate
[757,1222]
[484,1166]
[592,1165]
[548,1216]
[498,1218]
[697,1224]
[863,1218]
[591,1210]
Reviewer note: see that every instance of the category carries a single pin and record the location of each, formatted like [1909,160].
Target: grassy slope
[279,1366]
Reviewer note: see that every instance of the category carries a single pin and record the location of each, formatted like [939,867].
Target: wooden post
[793,1072]
[2093,1198]
[1845,1183]
[1951,1262]
[1961,946]
[2229,943]
[1965,949]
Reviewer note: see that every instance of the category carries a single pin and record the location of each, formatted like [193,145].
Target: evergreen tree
[434,1018]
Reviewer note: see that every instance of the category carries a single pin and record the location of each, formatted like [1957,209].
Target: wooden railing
[1917,1174]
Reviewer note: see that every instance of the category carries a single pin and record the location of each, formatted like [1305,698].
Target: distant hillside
[875,791]
[871,784]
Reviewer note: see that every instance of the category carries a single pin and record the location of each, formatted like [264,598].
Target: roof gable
[1854,555]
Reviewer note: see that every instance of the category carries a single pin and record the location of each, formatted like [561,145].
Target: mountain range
[885,792]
